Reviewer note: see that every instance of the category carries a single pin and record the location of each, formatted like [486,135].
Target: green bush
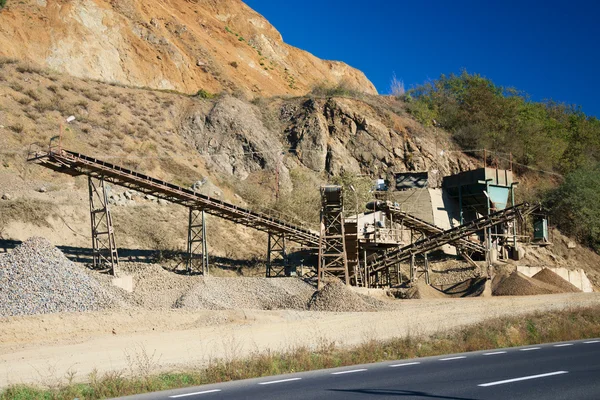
[203,94]
[482,115]
[2,4]
[575,203]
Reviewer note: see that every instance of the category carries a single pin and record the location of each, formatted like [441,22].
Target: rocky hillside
[237,145]
[183,45]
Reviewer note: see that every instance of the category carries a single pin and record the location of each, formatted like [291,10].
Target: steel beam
[197,249]
[104,248]
[277,260]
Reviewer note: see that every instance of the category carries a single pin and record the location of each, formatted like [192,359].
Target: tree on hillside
[576,205]
[482,115]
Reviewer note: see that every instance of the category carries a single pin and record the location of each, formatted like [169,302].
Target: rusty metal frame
[333,260]
[75,164]
[104,248]
[197,248]
[277,259]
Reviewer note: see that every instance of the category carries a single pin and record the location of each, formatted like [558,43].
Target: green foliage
[203,94]
[357,191]
[2,4]
[340,90]
[575,205]
[481,115]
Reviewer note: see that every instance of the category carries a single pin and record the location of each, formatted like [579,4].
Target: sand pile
[517,284]
[37,278]
[335,296]
[552,278]
[215,293]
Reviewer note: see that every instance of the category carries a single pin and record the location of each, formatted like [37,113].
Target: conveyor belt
[75,164]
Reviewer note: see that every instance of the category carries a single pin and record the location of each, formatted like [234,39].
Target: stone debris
[517,284]
[336,297]
[554,279]
[215,293]
[36,278]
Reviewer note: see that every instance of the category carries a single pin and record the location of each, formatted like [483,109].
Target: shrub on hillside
[2,4]
[575,205]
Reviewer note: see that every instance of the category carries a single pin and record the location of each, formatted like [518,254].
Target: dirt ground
[50,349]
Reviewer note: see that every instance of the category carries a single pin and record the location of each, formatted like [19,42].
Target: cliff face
[184,45]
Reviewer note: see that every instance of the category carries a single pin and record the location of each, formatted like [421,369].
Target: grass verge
[579,323]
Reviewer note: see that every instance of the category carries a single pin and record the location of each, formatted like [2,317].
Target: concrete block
[124,282]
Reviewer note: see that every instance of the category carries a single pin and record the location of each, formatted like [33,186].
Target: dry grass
[505,332]
[31,211]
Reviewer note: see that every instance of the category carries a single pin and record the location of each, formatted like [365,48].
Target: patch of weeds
[17,128]
[34,96]
[203,94]
[16,86]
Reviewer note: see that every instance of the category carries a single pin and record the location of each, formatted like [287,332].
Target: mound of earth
[337,297]
[37,278]
[215,293]
[552,278]
[517,284]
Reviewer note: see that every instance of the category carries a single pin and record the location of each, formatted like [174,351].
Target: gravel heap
[554,279]
[37,278]
[335,296]
[517,284]
[215,293]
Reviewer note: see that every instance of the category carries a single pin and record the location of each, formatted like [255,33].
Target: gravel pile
[214,293]
[36,278]
[517,284]
[554,279]
[336,297]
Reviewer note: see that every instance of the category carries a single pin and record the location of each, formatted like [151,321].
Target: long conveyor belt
[75,164]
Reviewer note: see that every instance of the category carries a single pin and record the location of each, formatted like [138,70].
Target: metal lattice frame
[104,248]
[333,260]
[277,260]
[197,249]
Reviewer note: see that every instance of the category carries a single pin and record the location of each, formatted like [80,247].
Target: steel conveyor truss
[75,164]
[384,260]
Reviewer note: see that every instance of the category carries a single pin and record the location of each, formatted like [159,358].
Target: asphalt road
[569,370]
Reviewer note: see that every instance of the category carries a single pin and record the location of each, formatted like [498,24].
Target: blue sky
[549,49]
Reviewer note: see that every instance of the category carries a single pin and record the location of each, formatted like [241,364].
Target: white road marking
[530,348]
[523,378]
[405,364]
[592,341]
[348,372]
[563,345]
[452,358]
[280,381]
[494,353]
[194,394]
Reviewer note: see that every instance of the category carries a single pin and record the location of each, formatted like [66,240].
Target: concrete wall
[577,277]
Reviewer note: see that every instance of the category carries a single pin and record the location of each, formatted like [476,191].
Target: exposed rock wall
[167,44]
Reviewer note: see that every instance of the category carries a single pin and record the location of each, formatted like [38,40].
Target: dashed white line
[348,372]
[195,393]
[592,341]
[523,378]
[530,348]
[563,345]
[280,381]
[494,353]
[404,365]
[452,358]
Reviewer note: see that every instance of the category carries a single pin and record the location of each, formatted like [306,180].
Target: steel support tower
[277,260]
[197,249]
[104,248]
[333,260]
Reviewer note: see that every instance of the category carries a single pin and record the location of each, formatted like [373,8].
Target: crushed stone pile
[552,278]
[517,284]
[336,297]
[216,293]
[37,278]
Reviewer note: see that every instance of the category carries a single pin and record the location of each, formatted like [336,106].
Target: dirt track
[43,349]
